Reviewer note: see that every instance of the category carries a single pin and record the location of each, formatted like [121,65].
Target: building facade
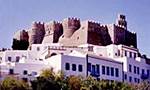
[78,48]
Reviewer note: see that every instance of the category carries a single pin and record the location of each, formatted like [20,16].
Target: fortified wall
[53,30]
[73,32]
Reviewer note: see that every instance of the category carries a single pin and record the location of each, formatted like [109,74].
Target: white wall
[110,63]
[74,60]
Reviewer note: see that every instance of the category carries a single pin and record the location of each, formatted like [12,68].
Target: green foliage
[20,44]
[10,83]
[48,80]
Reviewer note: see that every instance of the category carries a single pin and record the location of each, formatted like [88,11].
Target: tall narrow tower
[121,21]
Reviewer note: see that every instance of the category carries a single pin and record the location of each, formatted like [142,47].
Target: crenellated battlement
[53,25]
[70,25]
[73,31]
[37,25]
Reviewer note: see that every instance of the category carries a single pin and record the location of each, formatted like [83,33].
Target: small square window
[125,76]
[138,80]
[9,59]
[11,71]
[97,69]
[38,48]
[108,72]
[118,52]
[135,69]
[74,67]
[125,53]
[135,80]
[130,79]
[117,72]
[103,69]
[130,68]
[25,72]
[112,71]
[80,68]
[130,54]
[148,72]
[67,66]
[134,55]
[143,71]
[17,59]
[89,67]
[138,70]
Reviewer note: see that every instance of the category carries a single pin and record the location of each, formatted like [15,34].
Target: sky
[19,14]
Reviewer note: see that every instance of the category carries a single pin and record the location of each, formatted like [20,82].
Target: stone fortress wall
[73,32]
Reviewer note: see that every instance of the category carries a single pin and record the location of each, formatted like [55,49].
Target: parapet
[121,21]
[70,25]
[37,25]
[53,25]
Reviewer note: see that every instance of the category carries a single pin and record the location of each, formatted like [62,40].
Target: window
[130,54]
[38,48]
[117,72]
[130,79]
[118,52]
[74,67]
[11,71]
[135,69]
[25,72]
[143,71]
[134,55]
[107,68]
[138,80]
[125,53]
[80,68]
[97,69]
[135,80]
[130,68]
[9,59]
[17,59]
[125,76]
[112,71]
[67,66]
[103,69]
[89,67]
[138,70]
[148,72]
[93,69]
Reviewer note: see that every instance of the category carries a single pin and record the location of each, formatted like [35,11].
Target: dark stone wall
[20,44]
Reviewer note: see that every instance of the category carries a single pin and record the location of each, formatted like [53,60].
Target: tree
[10,83]
[20,44]
[74,82]
[46,81]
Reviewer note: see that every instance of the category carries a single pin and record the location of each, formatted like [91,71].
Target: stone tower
[20,40]
[121,21]
[36,33]
[53,30]
[70,25]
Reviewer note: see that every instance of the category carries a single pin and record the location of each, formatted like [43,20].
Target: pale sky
[19,14]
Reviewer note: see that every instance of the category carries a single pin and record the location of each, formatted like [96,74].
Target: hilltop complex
[87,48]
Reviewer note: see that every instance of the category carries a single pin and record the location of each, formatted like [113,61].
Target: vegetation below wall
[20,44]
[48,80]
